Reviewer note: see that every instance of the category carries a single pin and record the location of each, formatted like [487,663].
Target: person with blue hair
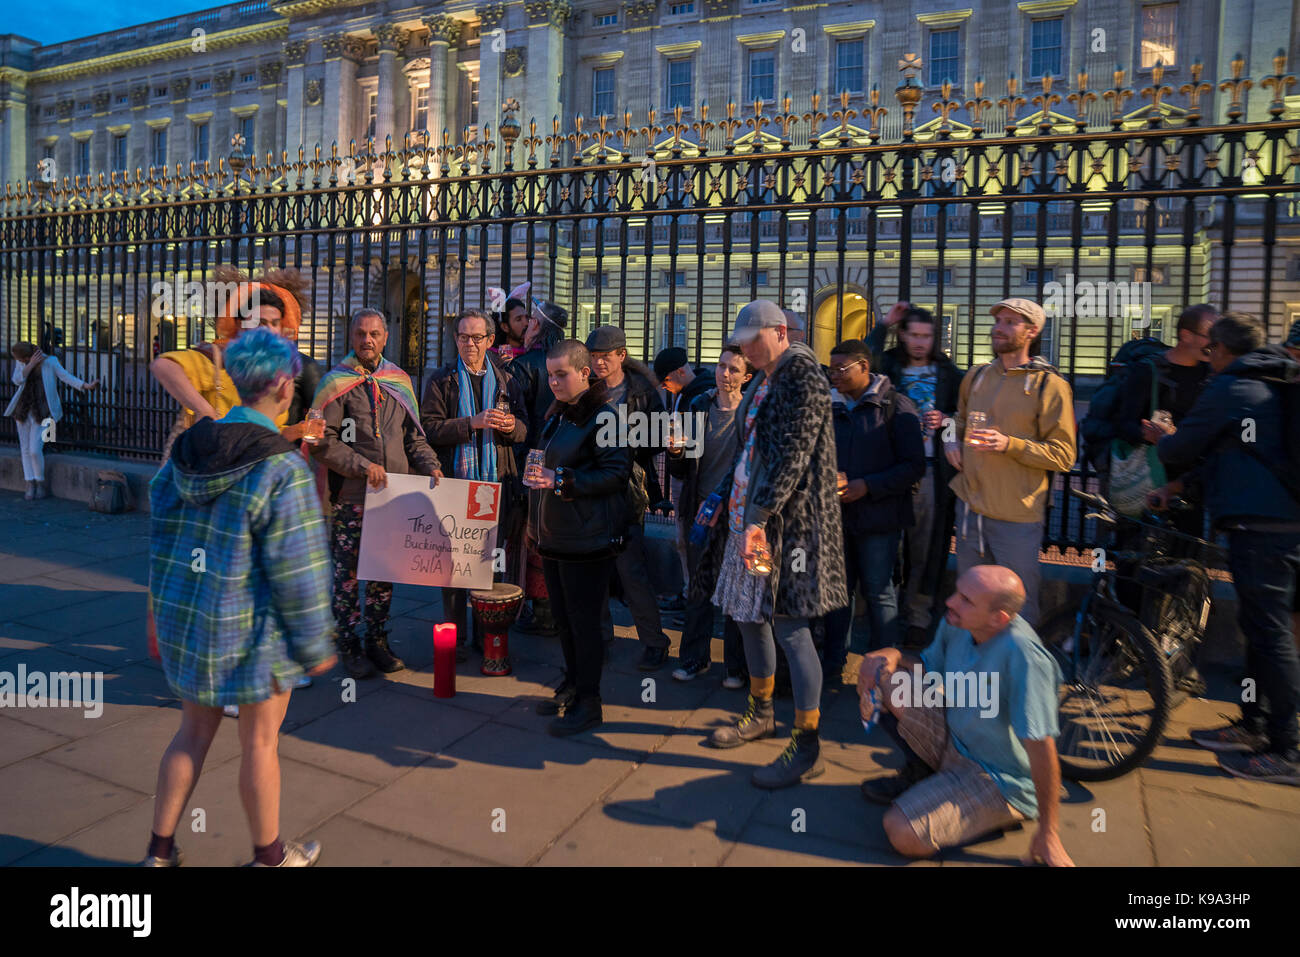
[240,584]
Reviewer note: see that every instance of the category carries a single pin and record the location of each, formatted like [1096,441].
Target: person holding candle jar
[577,520]
[1014,426]
[783,560]
[473,411]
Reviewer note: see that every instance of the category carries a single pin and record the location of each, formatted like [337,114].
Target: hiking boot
[377,651]
[563,699]
[1235,737]
[542,622]
[690,670]
[887,787]
[584,713]
[800,761]
[355,663]
[1280,767]
[758,721]
[296,855]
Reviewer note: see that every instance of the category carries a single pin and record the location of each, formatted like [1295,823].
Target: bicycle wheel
[1115,694]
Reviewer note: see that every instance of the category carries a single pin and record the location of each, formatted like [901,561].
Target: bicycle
[1124,673]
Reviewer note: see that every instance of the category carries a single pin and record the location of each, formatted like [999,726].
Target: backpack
[1098,427]
[112,493]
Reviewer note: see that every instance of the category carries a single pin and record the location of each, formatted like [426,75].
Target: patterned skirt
[739,594]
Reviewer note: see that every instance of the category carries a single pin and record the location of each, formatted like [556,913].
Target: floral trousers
[345,547]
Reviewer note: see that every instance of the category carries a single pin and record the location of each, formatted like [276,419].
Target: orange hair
[228,322]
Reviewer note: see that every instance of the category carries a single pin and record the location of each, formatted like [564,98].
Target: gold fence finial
[1011,103]
[1156,92]
[977,105]
[1194,90]
[1239,85]
[1279,83]
[1116,97]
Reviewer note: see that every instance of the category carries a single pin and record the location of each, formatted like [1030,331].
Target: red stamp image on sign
[482,506]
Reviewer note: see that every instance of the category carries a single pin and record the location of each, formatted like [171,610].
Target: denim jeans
[796,641]
[868,559]
[1265,567]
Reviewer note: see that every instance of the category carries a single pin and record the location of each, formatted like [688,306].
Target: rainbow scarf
[387,378]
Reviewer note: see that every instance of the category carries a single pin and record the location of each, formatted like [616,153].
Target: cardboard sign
[416,535]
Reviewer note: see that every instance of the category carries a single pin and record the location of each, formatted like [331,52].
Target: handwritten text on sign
[416,535]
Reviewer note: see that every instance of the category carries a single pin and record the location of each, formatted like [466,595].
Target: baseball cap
[606,339]
[1026,307]
[759,314]
[669,361]
[1293,337]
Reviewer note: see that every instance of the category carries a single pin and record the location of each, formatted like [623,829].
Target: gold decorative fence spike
[1238,84]
[977,105]
[1011,103]
[1279,83]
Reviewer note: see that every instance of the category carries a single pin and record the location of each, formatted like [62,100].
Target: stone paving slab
[400,777]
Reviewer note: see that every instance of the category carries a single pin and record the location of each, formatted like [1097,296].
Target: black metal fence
[669,227]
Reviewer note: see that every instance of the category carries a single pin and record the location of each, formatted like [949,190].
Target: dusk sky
[54,21]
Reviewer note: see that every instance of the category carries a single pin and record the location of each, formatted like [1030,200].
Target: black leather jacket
[588,521]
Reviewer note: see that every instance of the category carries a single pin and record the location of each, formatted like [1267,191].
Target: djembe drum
[495,610]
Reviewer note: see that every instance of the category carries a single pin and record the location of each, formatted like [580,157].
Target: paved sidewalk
[400,777]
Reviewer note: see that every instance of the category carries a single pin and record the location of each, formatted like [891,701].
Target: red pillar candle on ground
[444,660]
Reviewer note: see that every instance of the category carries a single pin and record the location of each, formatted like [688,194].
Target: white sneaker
[733,681]
[231,710]
[296,855]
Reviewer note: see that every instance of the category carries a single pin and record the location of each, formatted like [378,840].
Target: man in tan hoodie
[1028,431]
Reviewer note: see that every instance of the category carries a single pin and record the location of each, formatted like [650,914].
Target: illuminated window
[1159,35]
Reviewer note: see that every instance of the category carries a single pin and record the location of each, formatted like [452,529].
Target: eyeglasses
[465,339]
[840,370]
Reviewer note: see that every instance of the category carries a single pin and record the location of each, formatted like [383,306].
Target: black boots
[884,789]
[800,761]
[354,662]
[564,697]
[584,713]
[381,655]
[758,721]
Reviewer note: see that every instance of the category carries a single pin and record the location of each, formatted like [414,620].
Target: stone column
[222,120]
[137,147]
[392,41]
[538,80]
[491,49]
[268,113]
[180,138]
[342,54]
[444,35]
[295,55]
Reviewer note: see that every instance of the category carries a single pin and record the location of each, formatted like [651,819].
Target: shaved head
[987,598]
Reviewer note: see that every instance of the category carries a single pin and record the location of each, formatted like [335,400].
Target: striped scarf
[387,380]
[476,459]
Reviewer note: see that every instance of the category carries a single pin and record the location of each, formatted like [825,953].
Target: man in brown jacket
[1005,459]
[372,427]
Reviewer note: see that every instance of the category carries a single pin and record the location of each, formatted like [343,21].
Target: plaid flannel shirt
[254,605]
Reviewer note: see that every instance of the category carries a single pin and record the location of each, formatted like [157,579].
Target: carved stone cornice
[716,8]
[640,11]
[554,12]
[491,16]
[346,46]
[444,29]
[102,99]
[270,73]
[392,39]
[295,52]
[180,88]
[140,94]
[222,80]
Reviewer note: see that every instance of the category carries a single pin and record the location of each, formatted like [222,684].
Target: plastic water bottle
[874,720]
[700,530]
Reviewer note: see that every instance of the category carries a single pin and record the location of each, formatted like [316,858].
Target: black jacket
[304,389]
[885,450]
[1240,482]
[446,428]
[643,396]
[1135,403]
[589,521]
[891,363]
[530,370]
[699,385]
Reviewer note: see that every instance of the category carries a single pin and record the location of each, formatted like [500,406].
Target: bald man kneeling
[976,717]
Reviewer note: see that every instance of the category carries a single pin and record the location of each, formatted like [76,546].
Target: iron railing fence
[668,228]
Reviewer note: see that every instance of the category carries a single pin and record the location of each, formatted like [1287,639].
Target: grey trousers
[986,541]
[633,572]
